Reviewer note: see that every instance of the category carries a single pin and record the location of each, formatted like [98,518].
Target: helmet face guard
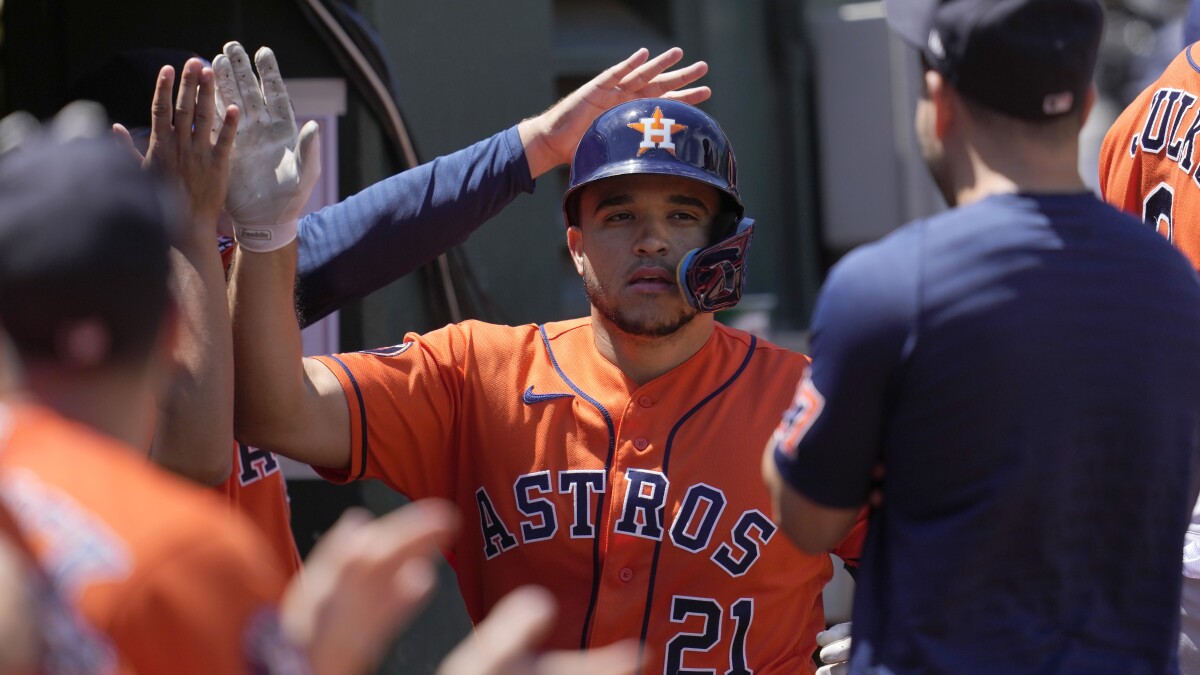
[670,138]
[712,278]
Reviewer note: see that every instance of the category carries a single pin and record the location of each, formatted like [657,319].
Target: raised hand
[273,168]
[550,138]
[184,143]
[362,582]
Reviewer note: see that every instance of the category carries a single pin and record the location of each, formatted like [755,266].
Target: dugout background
[815,96]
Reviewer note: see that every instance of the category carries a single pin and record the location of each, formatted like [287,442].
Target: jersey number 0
[1156,210]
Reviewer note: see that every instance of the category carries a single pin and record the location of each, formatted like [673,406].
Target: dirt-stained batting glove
[835,650]
[272,168]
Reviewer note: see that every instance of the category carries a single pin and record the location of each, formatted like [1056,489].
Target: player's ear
[575,246]
[942,98]
[1089,99]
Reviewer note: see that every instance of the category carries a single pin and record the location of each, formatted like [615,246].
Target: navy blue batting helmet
[655,136]
[670,138]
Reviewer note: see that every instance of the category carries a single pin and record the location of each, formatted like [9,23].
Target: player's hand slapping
[550,138]
[835,650]
[185,143]
[506,642]
[273,168]
[362,583]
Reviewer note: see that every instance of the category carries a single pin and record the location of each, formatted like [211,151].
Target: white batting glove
[273,168]
[835,650]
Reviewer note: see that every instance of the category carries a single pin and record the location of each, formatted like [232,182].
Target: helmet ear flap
[712,278]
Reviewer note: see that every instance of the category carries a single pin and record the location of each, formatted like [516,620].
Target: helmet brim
[652,167]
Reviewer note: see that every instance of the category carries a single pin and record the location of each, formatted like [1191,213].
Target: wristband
[261,239]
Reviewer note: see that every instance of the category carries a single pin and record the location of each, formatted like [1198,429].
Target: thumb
[308,153]
[834,633]
[126,141]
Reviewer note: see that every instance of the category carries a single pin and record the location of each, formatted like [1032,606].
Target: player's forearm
[535,132]
[268,381]
[274,401]
[812,527]
[195,425]
[391,228]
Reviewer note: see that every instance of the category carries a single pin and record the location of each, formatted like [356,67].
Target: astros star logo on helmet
[656,132]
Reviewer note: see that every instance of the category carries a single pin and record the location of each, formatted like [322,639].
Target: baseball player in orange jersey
[1149,156]
[176,587]
[159,567]
[195,425]
[1148,168]
[393,217]
[611,458]
[175,581]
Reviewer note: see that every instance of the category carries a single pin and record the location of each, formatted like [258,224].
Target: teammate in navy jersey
[1025,369]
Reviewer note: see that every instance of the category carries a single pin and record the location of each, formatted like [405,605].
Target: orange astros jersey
[256,485]
[257,488]
[1150,154]
[641,508]
[176,582]
[68,646]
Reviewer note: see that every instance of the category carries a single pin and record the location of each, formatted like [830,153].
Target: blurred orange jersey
[642,508]
[257,488]
[1149,157]
[68,645]
[256,484]
[177,583]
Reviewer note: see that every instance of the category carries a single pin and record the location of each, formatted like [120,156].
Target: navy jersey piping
[587,618]
[1192,61]
[666,465]
[362,417]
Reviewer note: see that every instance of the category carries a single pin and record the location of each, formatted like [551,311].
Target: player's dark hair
[84,236]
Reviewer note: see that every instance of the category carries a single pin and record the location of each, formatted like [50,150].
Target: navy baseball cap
[1031,59]
[84,234]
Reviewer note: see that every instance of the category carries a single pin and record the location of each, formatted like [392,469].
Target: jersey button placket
[645,401]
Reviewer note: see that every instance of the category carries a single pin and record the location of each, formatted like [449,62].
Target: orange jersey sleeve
[642,508]
[1149,156]
[257,488]
[175,581]
[403,403]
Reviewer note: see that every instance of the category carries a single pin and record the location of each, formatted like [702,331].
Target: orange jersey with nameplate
[642,508]
[1150,154]
[176,582]
[256,484]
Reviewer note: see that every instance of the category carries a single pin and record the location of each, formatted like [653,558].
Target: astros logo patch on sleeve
[799,418]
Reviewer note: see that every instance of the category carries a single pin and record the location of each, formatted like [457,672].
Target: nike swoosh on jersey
[530,398]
